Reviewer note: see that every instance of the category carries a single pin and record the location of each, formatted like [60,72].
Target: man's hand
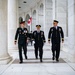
[27,40]
[49,42]
[15,42]
[44,41]
[62,41]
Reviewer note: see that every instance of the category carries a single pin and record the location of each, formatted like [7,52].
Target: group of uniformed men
[55,35]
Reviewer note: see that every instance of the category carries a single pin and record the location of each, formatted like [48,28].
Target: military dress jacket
[39,38]
[55,35]
[21,35]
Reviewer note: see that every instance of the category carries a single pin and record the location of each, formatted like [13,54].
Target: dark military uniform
[39,39]
[55,34]
[22,34]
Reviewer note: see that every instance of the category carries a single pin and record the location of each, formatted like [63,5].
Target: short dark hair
[56,21]
[22,22]
[38,25]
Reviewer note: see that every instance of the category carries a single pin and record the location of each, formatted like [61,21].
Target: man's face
[55,24]
[23,25]
[38,28]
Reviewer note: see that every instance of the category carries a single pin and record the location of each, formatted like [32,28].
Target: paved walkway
[34,67]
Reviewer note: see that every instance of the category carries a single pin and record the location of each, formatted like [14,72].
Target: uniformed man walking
[55,35]
[39,39]
[21,35]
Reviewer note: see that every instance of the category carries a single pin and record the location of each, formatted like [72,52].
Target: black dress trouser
[40,49]
[56,49]
[20,47]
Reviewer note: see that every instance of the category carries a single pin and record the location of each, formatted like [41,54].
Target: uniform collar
[56,27]
[22,28]
[38,31]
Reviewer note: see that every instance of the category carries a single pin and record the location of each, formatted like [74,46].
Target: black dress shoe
[21,62]
[53,58]
[26,57]
[57,60]
[36,57]
[41,60]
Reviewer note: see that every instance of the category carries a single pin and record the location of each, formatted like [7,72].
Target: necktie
[38,31]
[56,27]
